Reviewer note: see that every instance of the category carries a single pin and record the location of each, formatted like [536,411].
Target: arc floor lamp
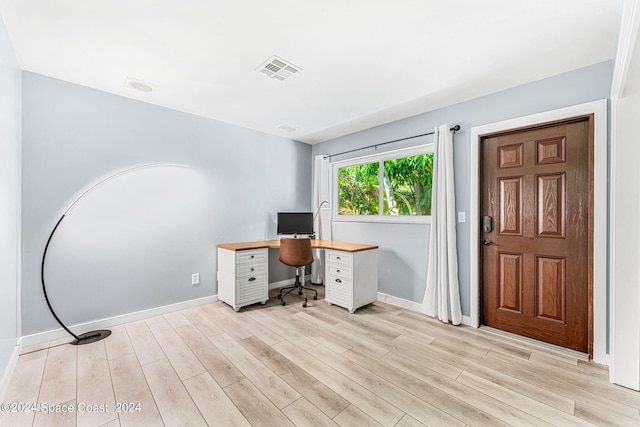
[97,335]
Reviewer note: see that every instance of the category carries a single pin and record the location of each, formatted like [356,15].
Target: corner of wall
[8,372]
[10,208]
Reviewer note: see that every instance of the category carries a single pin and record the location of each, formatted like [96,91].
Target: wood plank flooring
[316,366]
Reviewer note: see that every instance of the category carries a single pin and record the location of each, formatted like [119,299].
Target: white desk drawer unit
[351,278]
[243,277]
[351,272]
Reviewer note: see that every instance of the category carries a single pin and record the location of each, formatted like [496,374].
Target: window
[358,189]
[393,186]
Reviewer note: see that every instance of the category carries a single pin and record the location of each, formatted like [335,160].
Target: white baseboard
[603,359]
[411,305]
[281,283]
[286,282]
[55,334]
[8,372]
[399,302]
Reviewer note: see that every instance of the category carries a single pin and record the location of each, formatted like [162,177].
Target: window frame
[378,157]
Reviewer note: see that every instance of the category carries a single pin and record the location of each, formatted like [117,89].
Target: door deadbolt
[487,224]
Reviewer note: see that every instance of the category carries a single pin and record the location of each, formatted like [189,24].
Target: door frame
[600,206]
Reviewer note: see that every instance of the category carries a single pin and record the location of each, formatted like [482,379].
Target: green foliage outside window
[405,190]
[358,189]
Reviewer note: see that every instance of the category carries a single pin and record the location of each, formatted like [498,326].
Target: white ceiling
[365,62]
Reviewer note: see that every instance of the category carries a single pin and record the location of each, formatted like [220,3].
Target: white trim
[8,372]
[55,334]
[287,282]
[386,219]
[19,243]
[599,109]
[612,235]
[466,320]
[630,22]
[629,28]
[400,302]
[411,305]
[281,283]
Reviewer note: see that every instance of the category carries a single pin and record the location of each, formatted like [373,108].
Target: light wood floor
[280,366]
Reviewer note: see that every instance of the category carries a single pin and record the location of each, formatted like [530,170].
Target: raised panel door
[535,264]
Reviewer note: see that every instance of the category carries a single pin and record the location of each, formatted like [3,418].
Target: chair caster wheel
[284,303]
[315,297]
[279,296]
[304,304]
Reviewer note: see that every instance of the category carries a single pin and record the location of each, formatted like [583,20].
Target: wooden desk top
[317,244]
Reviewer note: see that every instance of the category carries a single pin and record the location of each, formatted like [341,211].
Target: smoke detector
[278,68]
[287,128]
[138,85]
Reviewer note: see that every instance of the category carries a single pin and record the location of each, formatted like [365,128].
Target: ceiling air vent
[278,68]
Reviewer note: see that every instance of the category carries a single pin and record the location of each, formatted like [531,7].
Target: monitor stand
[296,236]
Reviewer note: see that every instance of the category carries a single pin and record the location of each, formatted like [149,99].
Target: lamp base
[93,336]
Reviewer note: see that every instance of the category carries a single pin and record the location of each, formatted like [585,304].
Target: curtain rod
[454,129]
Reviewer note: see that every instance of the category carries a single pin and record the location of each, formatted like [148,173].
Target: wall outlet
[195,279]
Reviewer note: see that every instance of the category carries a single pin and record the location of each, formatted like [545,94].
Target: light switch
[462,217]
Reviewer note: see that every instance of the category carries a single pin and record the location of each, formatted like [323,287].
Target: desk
[351,272]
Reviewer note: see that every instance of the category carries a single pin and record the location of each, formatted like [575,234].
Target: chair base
[299,286]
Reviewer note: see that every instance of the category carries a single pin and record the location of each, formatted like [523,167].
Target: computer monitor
[295,223]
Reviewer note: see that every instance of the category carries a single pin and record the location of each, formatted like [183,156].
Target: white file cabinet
[243,277]
[351,278]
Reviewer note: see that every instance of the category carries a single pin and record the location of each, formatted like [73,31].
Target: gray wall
[402,261]
[133,242]
[9,202]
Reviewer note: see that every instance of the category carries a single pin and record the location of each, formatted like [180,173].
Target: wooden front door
[536,262]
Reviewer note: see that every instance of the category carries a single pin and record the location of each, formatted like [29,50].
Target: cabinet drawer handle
[252,269]
[338,280]
[337,271]
[338,257]
[251,256]
[251,279]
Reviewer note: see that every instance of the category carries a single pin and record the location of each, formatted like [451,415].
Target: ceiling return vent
[278,68]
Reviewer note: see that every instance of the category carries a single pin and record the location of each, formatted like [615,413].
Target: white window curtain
[322,212]
[442,293]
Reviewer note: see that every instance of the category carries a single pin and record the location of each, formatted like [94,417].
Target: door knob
[486,242]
